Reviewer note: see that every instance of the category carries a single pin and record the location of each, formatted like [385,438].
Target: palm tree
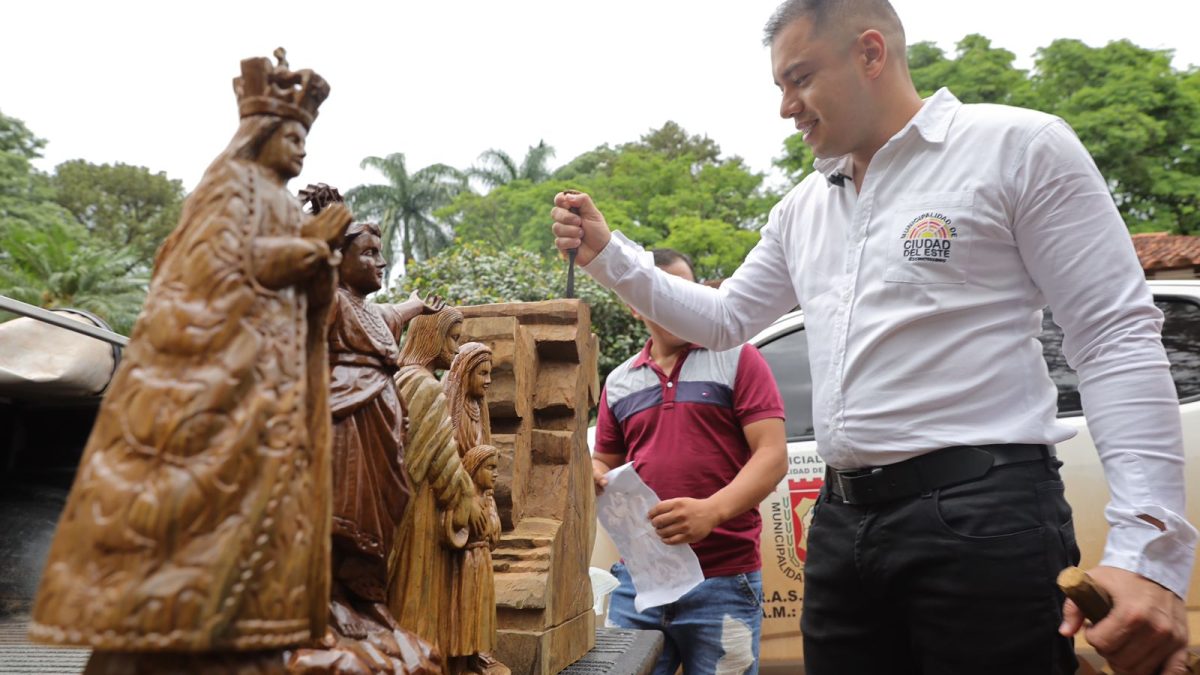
[406,204]
[55,264]
[498,167]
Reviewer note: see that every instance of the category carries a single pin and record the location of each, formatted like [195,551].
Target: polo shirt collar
[643,359]
[932,122]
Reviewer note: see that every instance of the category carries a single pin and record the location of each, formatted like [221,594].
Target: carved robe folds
[371,486]
[419,595]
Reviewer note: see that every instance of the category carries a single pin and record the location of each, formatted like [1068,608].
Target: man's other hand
[599,468]
[1146,631]
[587,231]
[684,520]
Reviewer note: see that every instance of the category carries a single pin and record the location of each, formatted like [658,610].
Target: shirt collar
[643,359]
[932,121]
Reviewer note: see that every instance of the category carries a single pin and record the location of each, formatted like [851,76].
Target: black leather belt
[928,472]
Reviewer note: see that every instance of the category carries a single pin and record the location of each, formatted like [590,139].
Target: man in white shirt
[923,251]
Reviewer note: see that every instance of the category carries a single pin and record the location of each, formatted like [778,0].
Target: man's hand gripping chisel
[571,252]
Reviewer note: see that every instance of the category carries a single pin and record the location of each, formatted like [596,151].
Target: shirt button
[670,384]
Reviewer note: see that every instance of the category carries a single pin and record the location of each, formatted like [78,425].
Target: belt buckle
[846,484]
[841,486]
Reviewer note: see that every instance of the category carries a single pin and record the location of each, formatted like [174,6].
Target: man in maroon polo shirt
[705,431]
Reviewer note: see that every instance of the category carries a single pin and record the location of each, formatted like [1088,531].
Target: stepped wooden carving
[544,383]
[196,535]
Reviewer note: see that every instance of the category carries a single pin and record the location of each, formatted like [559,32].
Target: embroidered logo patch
[928,238]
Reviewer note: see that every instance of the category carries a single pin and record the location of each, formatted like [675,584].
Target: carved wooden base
[549,651]
[364,639]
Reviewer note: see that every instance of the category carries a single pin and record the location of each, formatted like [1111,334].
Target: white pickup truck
[786,516]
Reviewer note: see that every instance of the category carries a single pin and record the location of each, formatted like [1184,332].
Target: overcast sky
[148,83]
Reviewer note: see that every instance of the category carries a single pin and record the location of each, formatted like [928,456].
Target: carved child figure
[474,594]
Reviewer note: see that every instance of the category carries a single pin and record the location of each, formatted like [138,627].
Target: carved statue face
[489,474]
[362,264]
[284,152]
[449,346]
[480,379]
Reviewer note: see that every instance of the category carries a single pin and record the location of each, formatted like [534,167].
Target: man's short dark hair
[669,256]
[823,12]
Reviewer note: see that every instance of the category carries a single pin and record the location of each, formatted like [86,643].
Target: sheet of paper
[661,573]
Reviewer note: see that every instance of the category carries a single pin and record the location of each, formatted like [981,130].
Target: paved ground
[617,652]
[18,656]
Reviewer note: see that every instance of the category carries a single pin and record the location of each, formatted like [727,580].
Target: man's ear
[873,52]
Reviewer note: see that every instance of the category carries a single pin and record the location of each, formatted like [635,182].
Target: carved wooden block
[543,593]
[510,395]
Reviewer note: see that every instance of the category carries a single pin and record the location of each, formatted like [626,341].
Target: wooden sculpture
[473,599]
[442,493]
[543,385]
[199,516]
[370,485]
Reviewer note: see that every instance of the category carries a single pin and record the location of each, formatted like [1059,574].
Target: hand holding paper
[661,573]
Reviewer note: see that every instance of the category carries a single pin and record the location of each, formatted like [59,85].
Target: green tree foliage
[653,189]
[57,264]
[47,257]
[979,73]
[674,142]
[1138,117]
[16,138]
[796,162]
[715,246]
[481,272]
[405,205]
[25,193]
[129,208]
[499,168]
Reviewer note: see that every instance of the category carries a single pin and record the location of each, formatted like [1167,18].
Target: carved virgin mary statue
[473,598]
[466,384]
[199,517]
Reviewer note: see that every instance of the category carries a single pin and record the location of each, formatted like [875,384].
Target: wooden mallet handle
[1092,600]
[1096,603]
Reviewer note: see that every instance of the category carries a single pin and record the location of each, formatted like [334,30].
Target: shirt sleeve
[755,394]
[610,439]
[1078,251]
[759,292]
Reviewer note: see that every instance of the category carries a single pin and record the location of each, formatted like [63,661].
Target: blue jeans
[713,628]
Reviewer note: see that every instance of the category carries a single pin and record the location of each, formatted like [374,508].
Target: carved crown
[265,89]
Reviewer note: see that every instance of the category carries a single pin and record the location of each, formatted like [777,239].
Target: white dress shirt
[923,300]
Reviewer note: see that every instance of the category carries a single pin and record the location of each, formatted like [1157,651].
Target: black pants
[957,581]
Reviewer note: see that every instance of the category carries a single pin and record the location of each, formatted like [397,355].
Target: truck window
[1181,340]
[787,355]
